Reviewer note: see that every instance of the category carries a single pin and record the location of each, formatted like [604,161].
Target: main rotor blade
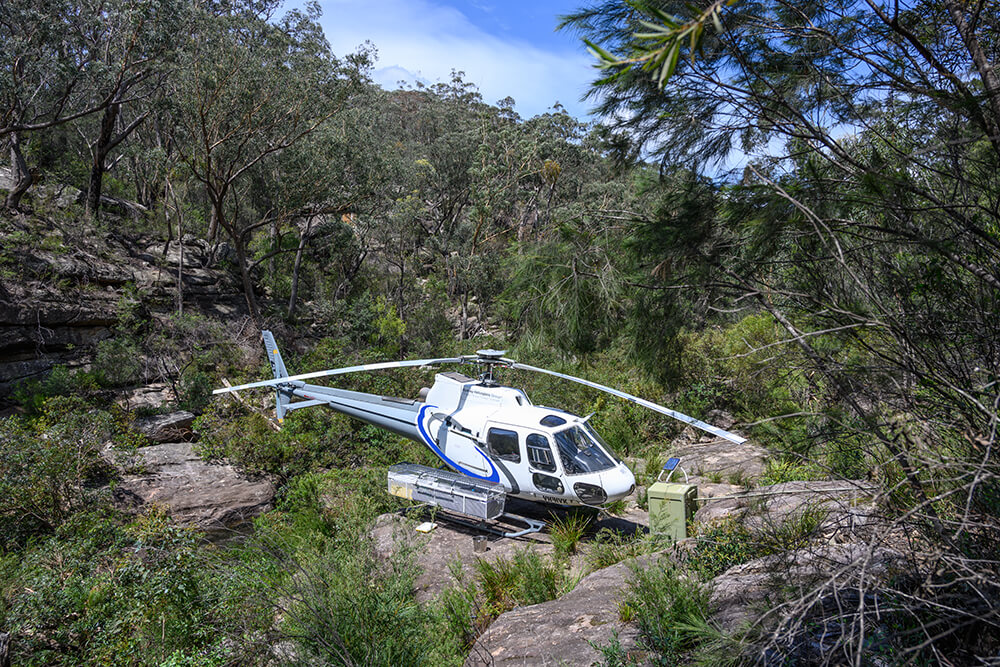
[342,371]
[732,437]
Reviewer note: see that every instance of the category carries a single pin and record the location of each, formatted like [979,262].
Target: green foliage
[60,381]
[730,542]
[118,362]
[671,610]
[195,390]
[722,545]
[53,465]
[778,471]
[334,600]
[613,654]
[105,592]
[308,440]
[609,547]
[345,608]
[846,459]
[524,579]
[566,530]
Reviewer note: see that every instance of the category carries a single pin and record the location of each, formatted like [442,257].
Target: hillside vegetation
[182,175]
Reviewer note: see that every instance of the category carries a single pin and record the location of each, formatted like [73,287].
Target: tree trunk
[251,298]
[170,195]
[295,270]
[213,227]
[19,172]
[99,152]
[991,83]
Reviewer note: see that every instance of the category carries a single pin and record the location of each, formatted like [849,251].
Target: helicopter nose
[619,484]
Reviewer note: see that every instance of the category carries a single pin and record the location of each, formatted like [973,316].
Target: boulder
[742,594]
[561,631]
[209,496]
[149,397]
[173,427]
[717,460]
[842,506]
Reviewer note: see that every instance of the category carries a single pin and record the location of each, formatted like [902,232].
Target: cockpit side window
[503,444]
[540,453]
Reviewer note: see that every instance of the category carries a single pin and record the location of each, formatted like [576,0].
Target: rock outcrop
[840,507]
[561,631]
[152,397]
[59,301]
[209,496]
[742,593]
[173,427]
[717,460]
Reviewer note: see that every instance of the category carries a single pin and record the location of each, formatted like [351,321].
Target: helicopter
[482,429]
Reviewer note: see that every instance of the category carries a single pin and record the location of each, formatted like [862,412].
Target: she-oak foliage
[865,223]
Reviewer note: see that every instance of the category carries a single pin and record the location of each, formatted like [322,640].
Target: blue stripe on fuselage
[494,476]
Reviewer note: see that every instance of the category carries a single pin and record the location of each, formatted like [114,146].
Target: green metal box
[671,509]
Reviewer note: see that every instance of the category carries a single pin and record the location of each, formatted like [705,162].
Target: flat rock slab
[560,632]
[209,496]
[449,543]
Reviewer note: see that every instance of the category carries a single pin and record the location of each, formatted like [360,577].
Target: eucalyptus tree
[333,182]
[252,86]
[50,74]
[865,223]
[141,35]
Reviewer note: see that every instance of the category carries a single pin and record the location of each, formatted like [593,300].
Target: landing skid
[531,525]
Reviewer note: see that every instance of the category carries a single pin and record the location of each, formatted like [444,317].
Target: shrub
[567,530]
[722,545]
[337,603]
[777,471]
[195,390]
[103,591]
[460,609]
[671,610]
[60,381]
[505,583]
[117,363]
[52,465]
[609,547]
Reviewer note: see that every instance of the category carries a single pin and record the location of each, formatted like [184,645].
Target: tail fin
[278,366]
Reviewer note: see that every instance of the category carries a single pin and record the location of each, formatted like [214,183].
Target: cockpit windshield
[580,452]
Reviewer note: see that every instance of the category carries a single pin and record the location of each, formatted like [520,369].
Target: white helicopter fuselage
[494,433]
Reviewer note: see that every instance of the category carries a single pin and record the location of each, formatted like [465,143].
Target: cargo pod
[454,492]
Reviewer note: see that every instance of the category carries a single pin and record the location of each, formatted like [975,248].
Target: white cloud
[427,41]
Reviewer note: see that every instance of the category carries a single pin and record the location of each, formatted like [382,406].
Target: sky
[505,47]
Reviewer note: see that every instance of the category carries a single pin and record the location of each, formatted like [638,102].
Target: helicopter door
[542,465]
[505,449]
[458,445]
[462,449]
